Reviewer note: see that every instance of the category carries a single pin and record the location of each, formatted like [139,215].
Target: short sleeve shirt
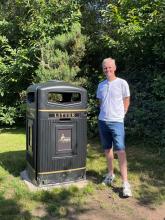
[111,94]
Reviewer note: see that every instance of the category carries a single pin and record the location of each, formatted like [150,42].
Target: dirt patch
[40,211]
[105,205]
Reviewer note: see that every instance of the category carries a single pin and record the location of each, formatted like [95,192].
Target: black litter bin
[56,132]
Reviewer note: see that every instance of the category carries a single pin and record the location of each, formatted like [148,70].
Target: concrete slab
[33,188]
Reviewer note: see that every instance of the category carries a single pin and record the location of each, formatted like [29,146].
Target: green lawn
[146,174]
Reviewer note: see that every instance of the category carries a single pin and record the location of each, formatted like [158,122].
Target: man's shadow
[119,191]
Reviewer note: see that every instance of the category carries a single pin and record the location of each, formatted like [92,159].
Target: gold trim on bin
[62,110]
[62,171]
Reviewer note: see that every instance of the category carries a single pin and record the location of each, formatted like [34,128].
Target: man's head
[109,68]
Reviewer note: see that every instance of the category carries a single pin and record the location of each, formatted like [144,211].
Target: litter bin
[56,132]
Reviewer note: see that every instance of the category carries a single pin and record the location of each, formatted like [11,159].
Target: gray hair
[109,59]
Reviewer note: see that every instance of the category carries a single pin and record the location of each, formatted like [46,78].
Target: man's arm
[99,102]
[126,102]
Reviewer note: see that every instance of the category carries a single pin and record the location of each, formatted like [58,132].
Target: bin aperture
[30,97]
[64,97]
[56,133]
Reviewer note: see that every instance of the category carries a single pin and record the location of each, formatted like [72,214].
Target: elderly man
[114,98]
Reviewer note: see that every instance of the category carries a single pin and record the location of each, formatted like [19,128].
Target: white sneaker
[108,179]
[127,190]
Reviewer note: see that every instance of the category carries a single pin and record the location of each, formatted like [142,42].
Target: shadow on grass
[56,204]
[13,130]
[148,164]
[64,204]
[144,162]
[13,161]
[11,210]
[118,190]
[94,176]
[60,204]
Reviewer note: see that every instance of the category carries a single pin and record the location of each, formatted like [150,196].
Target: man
[114,98]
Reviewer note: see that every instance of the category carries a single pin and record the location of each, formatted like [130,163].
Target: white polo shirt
[111,94]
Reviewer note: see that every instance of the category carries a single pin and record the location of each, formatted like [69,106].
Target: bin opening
[31,97]
[64,97]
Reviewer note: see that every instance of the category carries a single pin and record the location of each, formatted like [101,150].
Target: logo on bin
[64,139]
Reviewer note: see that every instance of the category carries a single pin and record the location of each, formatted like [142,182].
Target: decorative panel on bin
[56,132]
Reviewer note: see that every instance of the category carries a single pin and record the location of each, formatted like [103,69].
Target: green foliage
[42,40]
[61,55]
[133,33]
[7,114]
[33,35]
[134,28]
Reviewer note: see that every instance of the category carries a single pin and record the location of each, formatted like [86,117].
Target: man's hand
[126,102]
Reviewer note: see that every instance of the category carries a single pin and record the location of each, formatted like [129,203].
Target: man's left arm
[126,102]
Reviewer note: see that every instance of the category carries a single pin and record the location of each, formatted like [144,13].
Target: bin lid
[53,84]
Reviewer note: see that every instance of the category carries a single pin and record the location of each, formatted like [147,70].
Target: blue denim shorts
[112,134]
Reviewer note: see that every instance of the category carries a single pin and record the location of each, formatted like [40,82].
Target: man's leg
[106,140]
[123,169]
[123,165]
[109,156]
[118,134]
[110,176]
[119,144]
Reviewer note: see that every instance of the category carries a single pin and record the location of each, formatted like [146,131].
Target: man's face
[109,69]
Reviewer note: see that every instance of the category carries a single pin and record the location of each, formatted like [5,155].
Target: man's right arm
[99,102]
[98,97]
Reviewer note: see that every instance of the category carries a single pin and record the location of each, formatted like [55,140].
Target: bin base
[32,187]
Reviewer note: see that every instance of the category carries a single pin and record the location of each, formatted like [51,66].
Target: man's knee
[121,153]
[108,152]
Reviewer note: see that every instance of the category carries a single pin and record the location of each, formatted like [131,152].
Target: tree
[133,33]
[61,55]
[32,34]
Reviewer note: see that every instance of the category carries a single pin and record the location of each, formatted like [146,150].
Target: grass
[145,167]
[146,172]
